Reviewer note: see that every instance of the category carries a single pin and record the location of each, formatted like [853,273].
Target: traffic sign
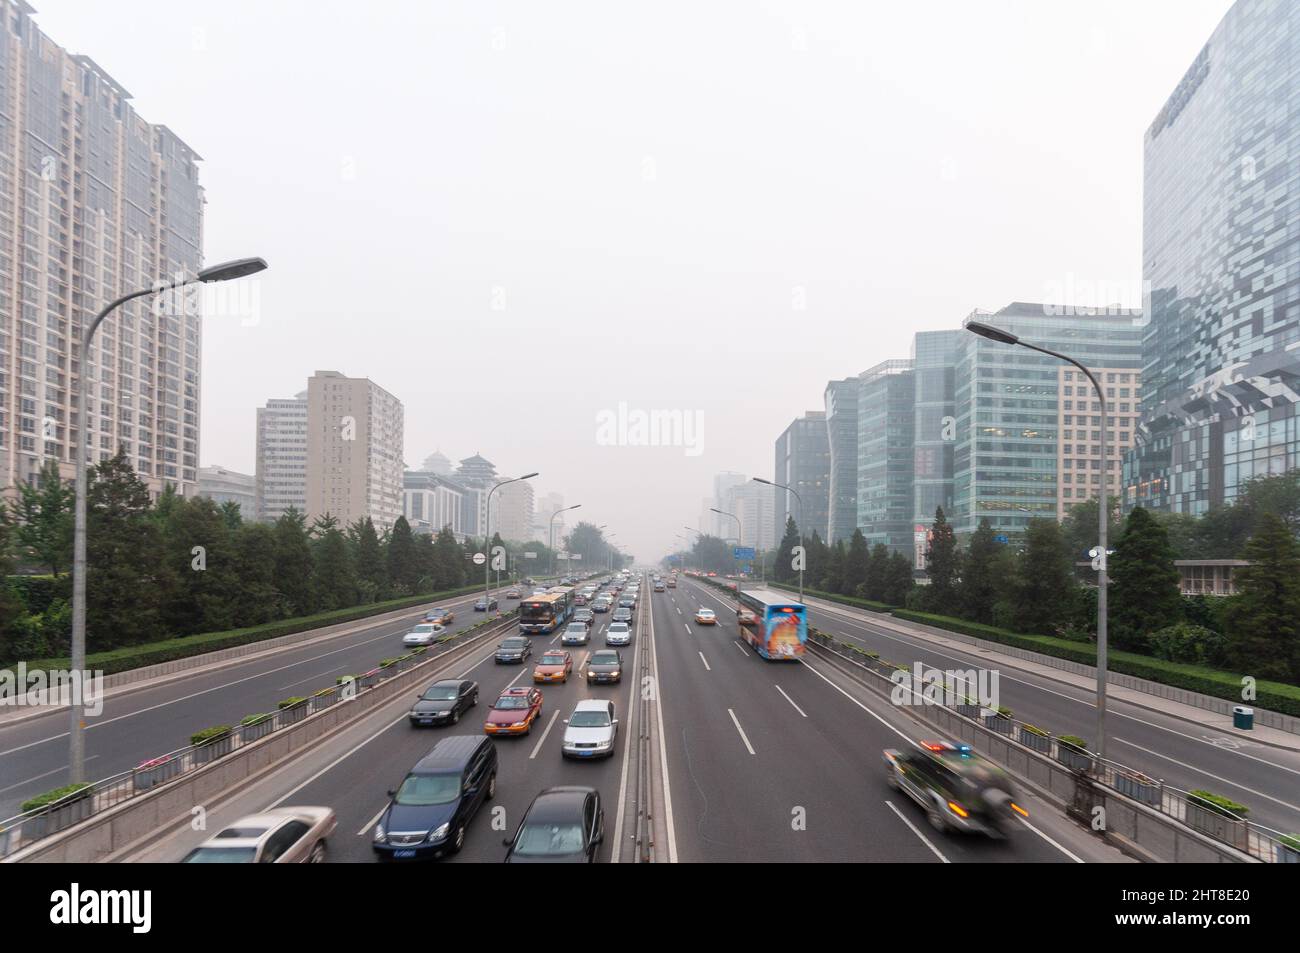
[742,552]
[530,555]
[479,559]
[1001,538]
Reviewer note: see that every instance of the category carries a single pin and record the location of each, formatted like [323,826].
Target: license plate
[403,853]
[426,721]
[585,754]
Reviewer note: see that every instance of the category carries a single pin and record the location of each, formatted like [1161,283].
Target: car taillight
[958,809]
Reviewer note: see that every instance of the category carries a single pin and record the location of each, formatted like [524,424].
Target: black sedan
[605,665]
[444,702]
[563,825]
[514,649]
[485,605]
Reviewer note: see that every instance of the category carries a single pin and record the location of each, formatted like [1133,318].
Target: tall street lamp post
[487,538]
[800,501]
[1099,561]
[551,532]
[227,271]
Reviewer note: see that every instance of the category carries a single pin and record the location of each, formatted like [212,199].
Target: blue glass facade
[1221,257]
[886,425]
[842,434]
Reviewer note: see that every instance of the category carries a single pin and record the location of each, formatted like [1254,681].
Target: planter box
[367,680]
[1287,855]
[259,730]
[998,723]
[1072,759]
[970,711]
[323,701]
[1227,829]
[1035,741]
[145,778]
[214,749]
[289,716]
[69,812]
[1148,792]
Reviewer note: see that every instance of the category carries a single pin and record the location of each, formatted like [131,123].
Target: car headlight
[441,832]
[518,724]
[380,834]
[591,674]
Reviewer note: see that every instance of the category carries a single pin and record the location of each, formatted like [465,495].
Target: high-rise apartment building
[803,462]
[723,483]
[432,502]
[512,511]
[1221,260]
[1078,462]
[1006,457]
[354,450]
[841,400]
[226,486]
[755,508]
[94,202]
[281,457]
[886,394]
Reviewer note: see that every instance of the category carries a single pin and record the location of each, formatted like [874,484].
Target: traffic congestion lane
[153,721]
[752,779]
[805,714]
[355,785]
[1176,751]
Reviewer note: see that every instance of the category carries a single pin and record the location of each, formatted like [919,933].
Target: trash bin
[1243,717]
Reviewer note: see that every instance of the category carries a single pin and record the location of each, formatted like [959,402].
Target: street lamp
[740,532]
[803,556]
[1006,337]
[487,538]
[226,271]
[551,532]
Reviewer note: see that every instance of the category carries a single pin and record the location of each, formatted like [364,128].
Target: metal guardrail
[1237,831]
[22,830]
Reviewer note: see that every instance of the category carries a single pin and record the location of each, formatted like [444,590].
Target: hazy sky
[516,216]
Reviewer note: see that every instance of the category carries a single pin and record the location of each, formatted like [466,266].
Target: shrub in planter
[1031,736]
[257,726]
[1218,816]
[344,678]
[292,709]
[1072,751]
[65,793]
[324,698]
[1139,787]
[385,663]
[998,720]
[63,807]
[1288,849]
[212,743]
[290,702]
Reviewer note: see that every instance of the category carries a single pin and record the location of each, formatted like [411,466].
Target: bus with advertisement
[773,624]
[545,613]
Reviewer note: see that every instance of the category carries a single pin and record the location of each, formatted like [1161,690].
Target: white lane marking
[542,740]
[688,628]
[743,736]
[736,643]
[1216,777]
[39,776]
[658,702]
[706,663]
[791,701]
[310,678]
[1067,853]
[924,840]
[370,825]
[859,704]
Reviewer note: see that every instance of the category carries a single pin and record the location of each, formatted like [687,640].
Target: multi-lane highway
[1184,754]
[142,723]
[764,761]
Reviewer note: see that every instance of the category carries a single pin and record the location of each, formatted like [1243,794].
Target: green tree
[1041,591]
[259,599]
[898,580]
[818,556]
[983,569]
[448,561]
[874,585]
[1079,528]
[782,570]
[293,562]
[232,514]
[1144,591]
[45,517]
[201,592]
[403,563]
[833,571]
[943,566]
[368,560]
[335,577]
[17,641]
[123,557]
[856,559]
[1263,621]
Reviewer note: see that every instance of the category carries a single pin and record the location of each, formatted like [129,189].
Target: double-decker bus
[774,625]
[545,613]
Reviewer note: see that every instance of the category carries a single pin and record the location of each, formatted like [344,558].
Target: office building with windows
[803,462]
[886,430]
[841,399]
[281,470]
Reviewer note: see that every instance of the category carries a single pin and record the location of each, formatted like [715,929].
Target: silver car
[282,835]
[618,633]
[576,633]
[426,633]
[591,730]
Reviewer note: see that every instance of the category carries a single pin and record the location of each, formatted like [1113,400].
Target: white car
[576,633]
[426,633]
[591,730]
[282,835]
[618,633]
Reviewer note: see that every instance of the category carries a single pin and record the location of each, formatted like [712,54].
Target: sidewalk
[1261,734]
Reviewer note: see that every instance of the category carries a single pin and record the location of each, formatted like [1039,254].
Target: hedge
[1274,696]
[837,597]
[169,650]
[50,797]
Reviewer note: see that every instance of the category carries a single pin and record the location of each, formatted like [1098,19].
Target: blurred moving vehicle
[444,702]
[428,813]
[425,633]
[282,835]
[562,825]
[706,617]
[772,623]
[591,730]
[512,593]
[485,605]
[959,790]
[514,712]
[440,616]
[554,666]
